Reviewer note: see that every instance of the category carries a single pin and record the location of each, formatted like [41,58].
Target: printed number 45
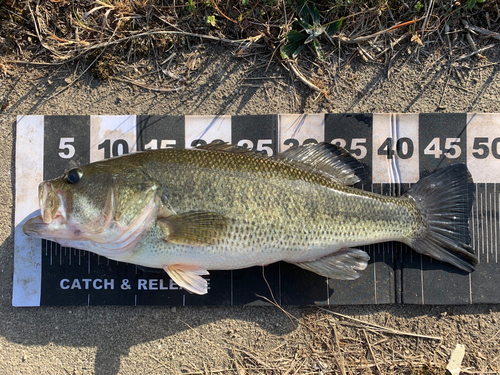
[68,149]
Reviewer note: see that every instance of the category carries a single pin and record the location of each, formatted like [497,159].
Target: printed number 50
[64,144]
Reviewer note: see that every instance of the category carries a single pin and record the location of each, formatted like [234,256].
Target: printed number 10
[117,145]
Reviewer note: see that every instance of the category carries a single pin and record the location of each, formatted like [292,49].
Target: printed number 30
[64,144]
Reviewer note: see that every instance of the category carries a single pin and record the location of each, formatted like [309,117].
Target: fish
[224,207]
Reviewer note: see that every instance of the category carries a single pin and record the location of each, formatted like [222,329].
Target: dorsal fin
[322,158]
[327,159]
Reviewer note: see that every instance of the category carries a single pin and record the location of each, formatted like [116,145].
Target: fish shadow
[114,330]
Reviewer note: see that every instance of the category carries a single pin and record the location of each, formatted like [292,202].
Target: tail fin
[444,200]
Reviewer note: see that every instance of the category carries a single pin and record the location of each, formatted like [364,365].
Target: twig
[37,63]
[341,361]
[460,88]
[226,17]
[471,42]
[304,80]
[371,352]
[475,52]
[444,89]
[484,66]
[385,329]
[255,358]
[363,38]
[429,10]
[290,316]
[480,30]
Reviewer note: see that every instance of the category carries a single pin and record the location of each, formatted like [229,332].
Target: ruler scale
[397,149]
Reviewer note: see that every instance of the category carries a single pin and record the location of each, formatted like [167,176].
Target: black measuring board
[396,149]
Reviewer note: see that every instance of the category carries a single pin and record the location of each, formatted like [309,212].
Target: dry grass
[325,342]
[151,43]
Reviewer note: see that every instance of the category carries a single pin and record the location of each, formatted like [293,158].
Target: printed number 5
[64,144]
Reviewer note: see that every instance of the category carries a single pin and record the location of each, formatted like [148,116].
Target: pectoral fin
[193,228]
[188,277]
[343,265]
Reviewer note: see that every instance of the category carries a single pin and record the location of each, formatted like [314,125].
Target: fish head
[101,205]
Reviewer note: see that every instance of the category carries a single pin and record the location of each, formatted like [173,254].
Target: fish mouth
[51,202]
[53,214]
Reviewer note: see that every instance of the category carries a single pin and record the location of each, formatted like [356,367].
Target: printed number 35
[357,149]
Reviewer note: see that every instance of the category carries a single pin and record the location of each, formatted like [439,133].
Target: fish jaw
[54,230]
[51,202]
[53,222]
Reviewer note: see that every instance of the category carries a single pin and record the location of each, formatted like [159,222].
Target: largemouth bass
[222,207]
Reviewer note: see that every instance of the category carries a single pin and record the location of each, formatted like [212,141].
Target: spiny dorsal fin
[327,159]
[322,158]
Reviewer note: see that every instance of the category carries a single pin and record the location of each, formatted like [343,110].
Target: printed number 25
[68,149]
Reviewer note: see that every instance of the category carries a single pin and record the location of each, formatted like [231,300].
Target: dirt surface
[242,340]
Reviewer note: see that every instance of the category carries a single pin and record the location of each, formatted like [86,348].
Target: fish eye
[73,176]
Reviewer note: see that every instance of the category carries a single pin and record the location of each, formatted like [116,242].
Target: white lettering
[64,284]
[76,284]
[109,284]
[142,284]
[86,282]
[163,287]
[97,284]
[173,285]
[153,284]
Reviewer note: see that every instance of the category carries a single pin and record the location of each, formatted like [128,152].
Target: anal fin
[188,277]
[343,264]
